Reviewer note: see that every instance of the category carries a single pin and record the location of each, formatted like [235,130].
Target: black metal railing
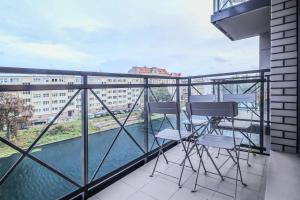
[180,88]
[223,4]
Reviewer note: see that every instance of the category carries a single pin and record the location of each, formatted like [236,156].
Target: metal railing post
[213,88]
[261,108]
[189,88]
[218,92]
[146,116]
[178,102]
[84,134]
[268,106]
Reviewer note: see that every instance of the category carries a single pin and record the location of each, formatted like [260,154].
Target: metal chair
[198,123]
[168,108]
[246,128]
[226,110]
[203,98]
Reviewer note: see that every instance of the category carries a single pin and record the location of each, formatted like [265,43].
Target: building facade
[46,104]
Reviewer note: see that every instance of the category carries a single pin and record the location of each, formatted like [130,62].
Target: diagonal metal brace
[113,116]
[116,137]
[39,161]
[36,140]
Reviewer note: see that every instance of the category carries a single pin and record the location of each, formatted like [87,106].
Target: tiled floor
[283,168]
[139,186]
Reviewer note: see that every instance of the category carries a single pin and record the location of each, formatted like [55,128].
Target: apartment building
[46,104]
[160,72]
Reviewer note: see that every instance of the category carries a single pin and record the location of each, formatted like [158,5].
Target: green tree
[162,94]
[13,114]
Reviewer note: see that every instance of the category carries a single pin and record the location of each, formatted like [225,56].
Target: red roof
[153,71]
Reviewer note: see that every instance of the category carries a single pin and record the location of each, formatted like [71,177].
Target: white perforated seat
[219,141]
[171,134]
[196,122]
[238,125]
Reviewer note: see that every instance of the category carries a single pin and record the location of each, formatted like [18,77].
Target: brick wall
[284,75]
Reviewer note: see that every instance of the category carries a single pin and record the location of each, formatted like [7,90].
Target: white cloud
[118,34]
[50,51]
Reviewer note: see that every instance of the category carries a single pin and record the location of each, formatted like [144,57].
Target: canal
[33,181]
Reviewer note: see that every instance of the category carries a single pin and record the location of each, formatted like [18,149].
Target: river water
[33,181]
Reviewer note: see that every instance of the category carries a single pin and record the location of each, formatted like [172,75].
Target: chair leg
[231,156]
[156,141]
[239,167]
[182,169]
[159,152]
[160,146]
[188,157]
[188,146]
[236,175]
[212,160]
[198,170]
[184,160]
[189,152]
[198,150]
[221,133]
[249,149]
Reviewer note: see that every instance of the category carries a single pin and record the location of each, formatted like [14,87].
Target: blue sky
[112,36]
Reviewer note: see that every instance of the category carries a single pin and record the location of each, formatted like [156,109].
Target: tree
[162,94]
[13,114]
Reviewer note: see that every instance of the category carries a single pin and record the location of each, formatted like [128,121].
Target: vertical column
[261,112]
[268,105]
[84,134]
[213,88]
[298,77]
[218,92]
[284,69]
[189,88]
[146,117]
[264,50]
[178,102]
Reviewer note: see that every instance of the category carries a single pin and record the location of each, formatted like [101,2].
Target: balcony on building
[90,133]
[240,19]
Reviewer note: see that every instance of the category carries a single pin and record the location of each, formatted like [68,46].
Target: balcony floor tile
[138,185]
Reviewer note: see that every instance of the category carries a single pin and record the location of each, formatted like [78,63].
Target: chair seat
[171,134]
[219,141]
[196,122]
[238,125]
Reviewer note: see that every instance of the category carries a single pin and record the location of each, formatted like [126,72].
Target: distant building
[47,103]
[152,71]
[163,72]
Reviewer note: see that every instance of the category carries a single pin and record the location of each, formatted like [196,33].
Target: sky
[114,35]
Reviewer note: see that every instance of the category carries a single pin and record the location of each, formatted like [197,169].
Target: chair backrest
[163,108]
[245,99]
[240,98]
[212,109]
[203,98]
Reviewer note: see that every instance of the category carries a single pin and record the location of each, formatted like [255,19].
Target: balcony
[220,5]
[242,19]
[89,142]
